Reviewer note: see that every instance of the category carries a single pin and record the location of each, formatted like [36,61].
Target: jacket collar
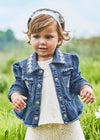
[58,57]
[32,64]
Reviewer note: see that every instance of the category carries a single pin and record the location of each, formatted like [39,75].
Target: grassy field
[12,129]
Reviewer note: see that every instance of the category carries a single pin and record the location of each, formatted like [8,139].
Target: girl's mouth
[42,49]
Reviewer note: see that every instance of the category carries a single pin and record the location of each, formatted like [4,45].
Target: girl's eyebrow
[47,34]
[35,34]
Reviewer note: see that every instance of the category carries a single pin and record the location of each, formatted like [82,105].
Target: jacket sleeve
[19,84]
[77,81]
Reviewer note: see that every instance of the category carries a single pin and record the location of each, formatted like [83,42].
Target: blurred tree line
[86,48]
[8,40]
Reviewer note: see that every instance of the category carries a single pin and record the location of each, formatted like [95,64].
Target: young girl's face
[45,42]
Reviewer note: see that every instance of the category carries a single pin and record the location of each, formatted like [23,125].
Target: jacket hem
[32,126]
[28,125]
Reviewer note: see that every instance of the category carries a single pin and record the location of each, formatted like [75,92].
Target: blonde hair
[38,23]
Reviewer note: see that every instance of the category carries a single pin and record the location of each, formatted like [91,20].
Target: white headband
[47,12]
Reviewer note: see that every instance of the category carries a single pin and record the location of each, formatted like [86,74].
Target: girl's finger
[18,106]
[17,109]
[90,99]
[21,104]
[20,99]
[86,97]
[93,99]
[83,94]
[23,97]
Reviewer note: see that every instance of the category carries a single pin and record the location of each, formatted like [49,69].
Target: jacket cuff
[13,90]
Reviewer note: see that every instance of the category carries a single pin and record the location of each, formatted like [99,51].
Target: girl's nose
[42,41]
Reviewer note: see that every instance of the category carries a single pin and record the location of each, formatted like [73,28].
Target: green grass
[90,125]
[11,128]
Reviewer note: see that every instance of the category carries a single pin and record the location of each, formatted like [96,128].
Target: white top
[50,109]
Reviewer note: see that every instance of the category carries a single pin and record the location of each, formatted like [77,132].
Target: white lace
[71,131]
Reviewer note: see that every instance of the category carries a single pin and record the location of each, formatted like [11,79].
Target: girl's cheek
[35,41]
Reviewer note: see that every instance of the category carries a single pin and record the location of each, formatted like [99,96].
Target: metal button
[56,79]
[36,118]
[52,66]
[37,102]
[40,71]
[65,115]
[38,85]
[60,97]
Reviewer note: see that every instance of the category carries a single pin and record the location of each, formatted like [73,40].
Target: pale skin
[44,43]
[18,101]
[87,94]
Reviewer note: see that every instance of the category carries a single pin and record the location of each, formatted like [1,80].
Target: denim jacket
[68,83]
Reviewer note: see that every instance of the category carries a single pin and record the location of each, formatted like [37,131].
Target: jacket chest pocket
[29,84]
[66,75]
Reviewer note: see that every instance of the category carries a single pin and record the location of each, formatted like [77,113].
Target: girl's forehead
[52,28]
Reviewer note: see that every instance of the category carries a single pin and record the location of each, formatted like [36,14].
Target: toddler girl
[45,92]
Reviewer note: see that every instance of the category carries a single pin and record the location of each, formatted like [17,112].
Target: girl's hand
[87,94]
[18,101]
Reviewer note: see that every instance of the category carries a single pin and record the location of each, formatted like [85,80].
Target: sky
[82,17]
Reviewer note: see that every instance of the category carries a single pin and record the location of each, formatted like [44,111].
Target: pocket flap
[66,71]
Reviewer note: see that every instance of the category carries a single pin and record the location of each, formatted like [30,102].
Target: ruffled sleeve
[17,70]
[19,84]
[77,81]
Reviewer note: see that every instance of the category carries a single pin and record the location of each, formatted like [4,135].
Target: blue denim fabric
[68,84]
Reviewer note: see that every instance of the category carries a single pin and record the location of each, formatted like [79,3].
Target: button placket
[59,91]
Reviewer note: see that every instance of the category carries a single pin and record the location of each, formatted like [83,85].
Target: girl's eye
[48,37]
[36,36]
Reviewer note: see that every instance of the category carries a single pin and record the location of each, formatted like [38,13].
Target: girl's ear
[60,41]
[29,36]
